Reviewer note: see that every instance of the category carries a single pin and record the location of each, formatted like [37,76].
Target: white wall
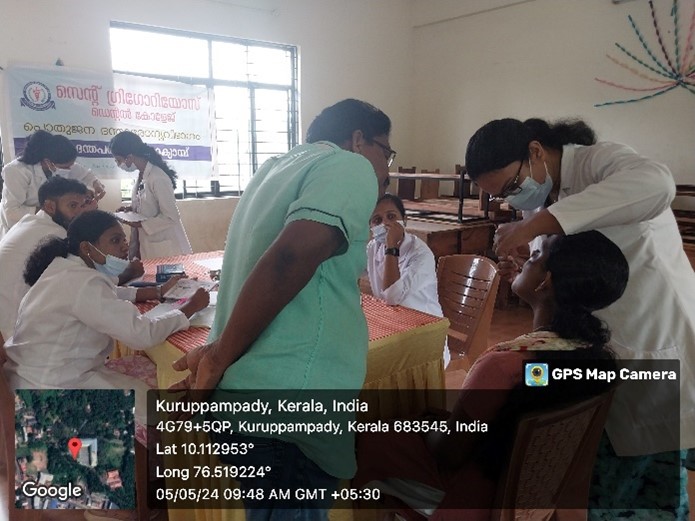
[539,58]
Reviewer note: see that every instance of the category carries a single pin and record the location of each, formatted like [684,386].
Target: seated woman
[563,282]
[401,267]
[68,319]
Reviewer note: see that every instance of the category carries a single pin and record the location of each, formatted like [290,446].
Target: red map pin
[74,445]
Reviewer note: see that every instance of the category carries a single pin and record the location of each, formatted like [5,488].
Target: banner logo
[37,96]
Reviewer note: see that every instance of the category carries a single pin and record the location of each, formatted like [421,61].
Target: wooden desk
[429,186]
[474,236]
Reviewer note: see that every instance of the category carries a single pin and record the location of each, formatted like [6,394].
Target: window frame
[210,83]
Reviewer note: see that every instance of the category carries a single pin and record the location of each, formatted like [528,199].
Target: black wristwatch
[392,251]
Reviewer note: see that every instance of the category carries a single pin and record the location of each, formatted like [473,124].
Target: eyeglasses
[389,153]
[512,188]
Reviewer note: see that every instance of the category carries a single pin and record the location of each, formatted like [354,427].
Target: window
[252,88]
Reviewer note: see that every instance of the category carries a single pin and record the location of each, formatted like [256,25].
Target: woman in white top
[161,234]
[44,155]
[71,314]
[401,267]
[573,184]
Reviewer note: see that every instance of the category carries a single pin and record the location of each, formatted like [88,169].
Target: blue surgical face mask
[532,194]
[113,266]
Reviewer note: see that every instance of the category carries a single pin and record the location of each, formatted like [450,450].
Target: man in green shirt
[288,312]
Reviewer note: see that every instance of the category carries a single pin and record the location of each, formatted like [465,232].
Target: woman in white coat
[162,233]
[401,267]
[569,183]
[71,314]
[68,319]
[45,155]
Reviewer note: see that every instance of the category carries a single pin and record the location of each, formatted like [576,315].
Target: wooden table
[429,186]
[449,238]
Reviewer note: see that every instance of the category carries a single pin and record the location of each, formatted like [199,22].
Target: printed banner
[91,107]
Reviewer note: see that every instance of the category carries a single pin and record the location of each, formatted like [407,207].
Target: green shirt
[319,340]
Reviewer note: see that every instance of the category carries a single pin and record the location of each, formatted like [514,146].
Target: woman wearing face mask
[565,282]
[44,155]
[161,234]
[401,267]
[569,184]
[71,314]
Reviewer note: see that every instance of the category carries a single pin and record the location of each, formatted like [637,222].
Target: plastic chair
[467,286]
[553,456]
[549,472]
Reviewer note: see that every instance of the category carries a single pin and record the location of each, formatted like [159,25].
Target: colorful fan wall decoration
[674,67]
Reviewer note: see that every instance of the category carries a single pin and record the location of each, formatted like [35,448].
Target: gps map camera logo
[536,374]
[37,96]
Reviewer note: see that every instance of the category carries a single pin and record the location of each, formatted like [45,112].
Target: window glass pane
[229,61]
[157,53]
[272,125]
[249,125]
[234,147]
[268,65]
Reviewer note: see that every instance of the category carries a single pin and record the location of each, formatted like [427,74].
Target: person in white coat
[161,234]
[401,267]
[70,316]
[574,184]
[45,155]
[60,200]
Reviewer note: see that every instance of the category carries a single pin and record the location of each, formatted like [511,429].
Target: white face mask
[532,194]
[113,266]
[380,231]
[128,168]
[62,172]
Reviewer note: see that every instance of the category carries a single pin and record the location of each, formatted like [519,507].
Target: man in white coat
[60,200]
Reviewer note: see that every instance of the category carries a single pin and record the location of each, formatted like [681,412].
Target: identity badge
[536,374]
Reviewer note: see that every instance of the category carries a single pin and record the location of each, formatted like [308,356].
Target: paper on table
[131,217]
[211,264]
[185,288]
[202,318]
[160,309]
